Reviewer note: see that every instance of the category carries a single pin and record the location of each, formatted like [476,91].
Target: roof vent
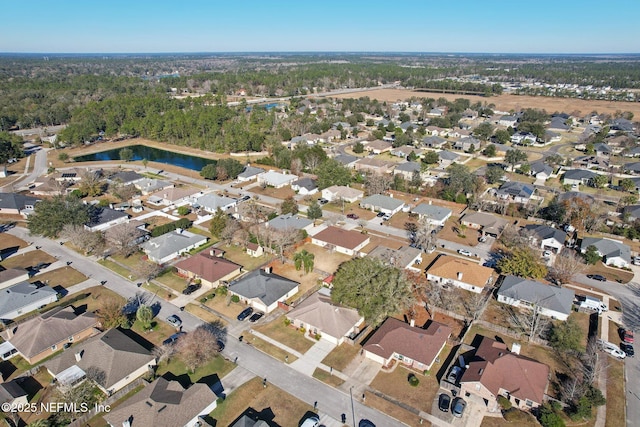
[515,348]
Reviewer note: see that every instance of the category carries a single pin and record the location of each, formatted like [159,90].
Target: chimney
[430,201]
[515,348]
[267,269]
[79,355]
[459,275]
[391,195]
[413,322]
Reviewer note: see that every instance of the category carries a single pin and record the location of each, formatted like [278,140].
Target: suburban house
[515,191]
[405,151]
[173,196]
[434,141]
[13,394]
[523,138]
[485,222]
[407,170]
[103,218]
[23,298]
[467,143]
[149,185]
[508,121]
[633,211]
[347,160]
[263,290]
[633,167]
[340,192]
[404,257]
[550,301]
[378,146]
[435,215]
[446,158]
[367,164]
[495,371]
[348,242]
[209,267]
[254,250]
[169,246]
[17,204]
[289,222]
[71,175]
[319,315]
[13,276]
[550,136]
[135,230]
[378,202]
[459,272]
[121,359]
[594,162]
[164,403]
[559,124]
[578,177]
[541,170]
[435,131]
[571,196]
[602,149]
[212,202]
[124,178]
[304,186]
[412,346]
[250,173]
[40,337]
[276,179]
[612,252]
[547,238]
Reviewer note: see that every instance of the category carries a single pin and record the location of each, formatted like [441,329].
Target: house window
[528,403]
[54,347]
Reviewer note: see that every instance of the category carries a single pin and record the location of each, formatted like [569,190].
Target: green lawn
[172,280]
[270,349]
[28,259]
[238,255]
[218,365]
[116,268]
[286,335]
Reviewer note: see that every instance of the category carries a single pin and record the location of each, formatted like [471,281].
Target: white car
[617,353]
[636,260]
[546,254]
[464,252]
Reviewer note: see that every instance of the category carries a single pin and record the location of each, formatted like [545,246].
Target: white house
[461,273]
[550,301]
[348,242]
[612,252]
[378,202]
[169,246]
[435,215]
[211,203]
[23,298]
[263,290]
[276,179]
[340,192]
[547,238]
[304,186]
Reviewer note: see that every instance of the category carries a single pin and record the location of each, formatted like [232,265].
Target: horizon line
[352,52]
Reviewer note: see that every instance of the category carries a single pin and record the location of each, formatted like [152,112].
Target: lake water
[152,154]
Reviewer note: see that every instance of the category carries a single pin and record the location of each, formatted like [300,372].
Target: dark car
[256,316]
[380,214]
[245,313]
[458,407]
[220,345]
[173,338]
[628,349]
[454,374]
[191,289]
[245,198]
[366,423]
[352,216]
[323,201]
[597,277]
[444,401]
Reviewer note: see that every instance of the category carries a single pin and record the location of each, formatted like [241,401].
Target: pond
[152,154]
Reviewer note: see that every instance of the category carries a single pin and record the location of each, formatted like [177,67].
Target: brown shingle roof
[395,336]
[320,312]
[209,267]
[340,237]
[448,267]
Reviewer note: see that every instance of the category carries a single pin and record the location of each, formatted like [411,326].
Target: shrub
[235,298]
[317,337]
[549,418]
[413,381]
[504,402]
[221,290]
[287,322]
[303,330]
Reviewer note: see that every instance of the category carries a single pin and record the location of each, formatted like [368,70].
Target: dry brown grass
[64,276]
[11,241]
[325,260]
[340,357]
[27,259]
[394,411]
[396,385]
[452,232]
[611,273]
[615,395]
[287,335]
[203,314]
[307,280]
[222,304]
[270,349]
[327,378]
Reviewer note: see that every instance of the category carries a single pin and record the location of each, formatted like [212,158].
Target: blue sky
[502,26]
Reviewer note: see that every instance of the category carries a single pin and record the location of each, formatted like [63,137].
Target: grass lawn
[238,255]
[270,349]
[172,280]
[610,273]
[158,290]
[222,304]
[203,314]
[93,301]
[341,356]
[396,385]
[582,319]
[307,281]
[131,261]
[287,410]
[28,259]
[615,395]
[8,241]
[116,268]
[327,378]
[65,277]
[218,366]
[452,231]
[325,260]
[286,335]
[160,331]
[278,193]
[516,417]
[394,410]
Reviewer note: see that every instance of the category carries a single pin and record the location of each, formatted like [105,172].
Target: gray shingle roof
[16,201]
[537,167]
[345,159]
[543,232]
[167,244]
[579,174]
[516,189]
[214,202]
[101,216]
[448,155]
[267,287]
[434,212]
[250,171]
[289,221]
[22,295]
[408,167]
[549,297]
[607,247]
[380,201]
[307,183]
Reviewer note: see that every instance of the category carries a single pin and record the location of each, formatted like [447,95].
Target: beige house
[254,250]
[339,192]
[459,272]
[210,267]
[347,242]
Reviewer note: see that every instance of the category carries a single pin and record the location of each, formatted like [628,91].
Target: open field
[507,102]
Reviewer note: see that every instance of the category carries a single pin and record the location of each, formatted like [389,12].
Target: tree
[121,239]
[513,157]
[284,238]
[91,183]
[63,157]
[198,347]
[51,215]
[599,181]
[110,313]
[80,237]
[548,417]
[147,270]
[376,183]
[375,289]
[493,174]
[431,158]
[209,171]
[490,150]
[289,206]
[502,136]
[231,230]
[566,336]
[183,210]
[525,169]
[461,180]
[144,314]
[483,131]
[529,320]
[304,259]
[218,223]
[591,256]
[126,154]
[10,147]
[332,172]
[522,262]
[627,184]
[124,192]
[314,211]
[566,266]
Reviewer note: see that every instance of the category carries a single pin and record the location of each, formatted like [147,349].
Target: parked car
[323,201]
[627,336]
[444,401]
[458,407]
[245,198]
[386,217]
[454,374]
[312,421]
[245,313]
[220,345]
[380,214]
[636,260]
[352,216]
[464,252]
[174,321]
[256,316]
[597,277]
[173,338]
[482,239]
[546,254]
[628,349]
[366,423]
[191,289]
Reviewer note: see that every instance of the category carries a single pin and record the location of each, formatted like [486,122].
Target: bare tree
[473,304]
[424,236]
[96,374]
[124,192]
[91,183]
[122,237]
[296,166]
[284,238]
[83,239]
[147,270]
[529,320]
[227,235]
[165,352]
[566,266]
[198,347]
[110,313]
[312,161]
[376,183]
